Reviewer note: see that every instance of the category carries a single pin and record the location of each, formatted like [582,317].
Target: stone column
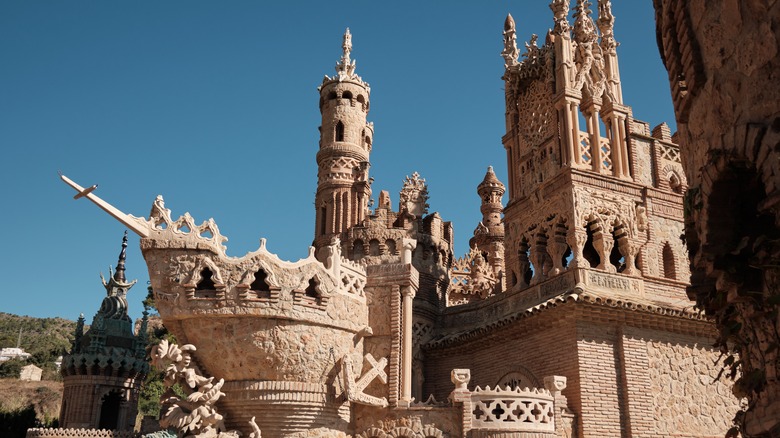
[594,136]
[408,245]
[407,296]
[576,237]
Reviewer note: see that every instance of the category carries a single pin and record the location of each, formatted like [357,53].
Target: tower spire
[346,66]
[119,275]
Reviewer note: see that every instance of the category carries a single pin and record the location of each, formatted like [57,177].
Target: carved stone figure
[195,415]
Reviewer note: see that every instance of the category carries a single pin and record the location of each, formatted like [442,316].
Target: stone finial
[555,384]
[346,66]
[461,377]
[510,52]
[560,10]
[584,28]
[606,22]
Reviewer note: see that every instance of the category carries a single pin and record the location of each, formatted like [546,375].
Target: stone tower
[581,174]
[489,234]
[105,369]
[343,186]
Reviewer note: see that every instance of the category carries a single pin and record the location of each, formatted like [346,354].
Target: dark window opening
[339,131]
[260,286]
[668,260]
[311,290]
[373,247]
[206,287]
[390,244]
[346,95]
[323,212]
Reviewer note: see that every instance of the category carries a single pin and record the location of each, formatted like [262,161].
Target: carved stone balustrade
[516,410]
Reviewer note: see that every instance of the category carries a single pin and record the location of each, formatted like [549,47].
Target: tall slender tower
[489,234]
[343,187]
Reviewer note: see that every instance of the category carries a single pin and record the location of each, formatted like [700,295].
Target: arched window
[346,95]
[668,259]
[332,95]
[373,247]
[339,134]
[390,244]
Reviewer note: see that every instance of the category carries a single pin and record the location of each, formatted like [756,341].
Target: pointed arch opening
[260,285]
[206,288]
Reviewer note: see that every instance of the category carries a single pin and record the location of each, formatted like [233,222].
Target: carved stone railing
[517,410]
[669,152]
[352,278]
[79,433]
[536,411]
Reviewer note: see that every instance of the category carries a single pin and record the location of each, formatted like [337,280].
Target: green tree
[11,368]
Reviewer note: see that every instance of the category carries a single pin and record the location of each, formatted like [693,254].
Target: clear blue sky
[214,105]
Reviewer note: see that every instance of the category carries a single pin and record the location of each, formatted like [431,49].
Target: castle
[568,316]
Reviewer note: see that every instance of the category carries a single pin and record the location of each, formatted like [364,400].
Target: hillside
[44,396]
[44,338]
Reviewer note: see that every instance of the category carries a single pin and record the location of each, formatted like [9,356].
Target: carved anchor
[354,389]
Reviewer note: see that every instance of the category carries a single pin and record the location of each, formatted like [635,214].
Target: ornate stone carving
[414,196]
[588,57]
[510,43]
[354,389]
[194,416]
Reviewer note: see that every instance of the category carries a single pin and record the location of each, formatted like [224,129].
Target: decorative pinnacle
[346,66]
[584,29]
[119,275]
[347,46]
[606,22]
[510,43]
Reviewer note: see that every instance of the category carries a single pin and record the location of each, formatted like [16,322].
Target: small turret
[489,234]
[103,372]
